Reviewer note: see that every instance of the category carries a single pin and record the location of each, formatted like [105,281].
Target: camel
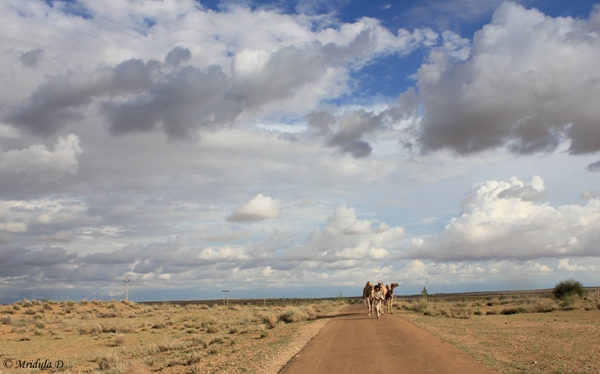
[384,291]
[368,292]
[389,297]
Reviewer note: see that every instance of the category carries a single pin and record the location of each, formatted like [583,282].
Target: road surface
[351,342]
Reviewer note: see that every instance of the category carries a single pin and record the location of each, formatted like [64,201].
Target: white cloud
[501,220]
[278,65]
[13,226]
[566,265]
[259,208]
[347,238]
[37,164]
[514,91]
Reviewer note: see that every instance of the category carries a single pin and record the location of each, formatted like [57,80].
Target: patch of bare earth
[554,342]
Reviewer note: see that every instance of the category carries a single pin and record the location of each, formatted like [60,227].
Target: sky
[297,148]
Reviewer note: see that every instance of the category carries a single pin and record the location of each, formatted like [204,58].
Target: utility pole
[126,280]
[225,297]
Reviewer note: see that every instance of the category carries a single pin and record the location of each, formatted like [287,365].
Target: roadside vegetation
[557,332]
[126,337]
[567,295]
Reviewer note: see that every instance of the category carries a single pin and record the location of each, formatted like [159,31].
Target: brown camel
[384,291]
[368,293]
[389,297]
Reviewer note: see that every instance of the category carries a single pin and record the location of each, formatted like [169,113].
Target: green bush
[568,288]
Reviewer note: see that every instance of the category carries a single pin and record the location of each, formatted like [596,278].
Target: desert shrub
[109,328]
[119,340]
[107,315]
[545,305]
[212,329]
[270,320]
[199,341]
[89,329]
[293,314]
[127,329]
[46,306]
[213,350]
[430,310]
[420,306]
[166,346]
[593,299]
[510,310]
[29,311]
[5,320]
[462,312]
[567,301]
[568,287]
[18,322]
[110,361]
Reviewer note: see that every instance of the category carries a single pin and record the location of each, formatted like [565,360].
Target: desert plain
[510,333]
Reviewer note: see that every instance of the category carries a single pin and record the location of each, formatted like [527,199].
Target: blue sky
[297,148]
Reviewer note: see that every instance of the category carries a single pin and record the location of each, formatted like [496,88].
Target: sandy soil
[555,342]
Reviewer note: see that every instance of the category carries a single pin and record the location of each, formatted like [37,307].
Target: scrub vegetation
[520,332]
[126,337]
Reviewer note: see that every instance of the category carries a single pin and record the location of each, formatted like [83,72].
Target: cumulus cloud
[567,265]
[510,93]
[40,165]
[504,220]
[259,208]
[183,95]
[136,96]
[346,238]
[37,263]
[347,132]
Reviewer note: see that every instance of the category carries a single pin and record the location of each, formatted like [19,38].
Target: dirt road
[351,342]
